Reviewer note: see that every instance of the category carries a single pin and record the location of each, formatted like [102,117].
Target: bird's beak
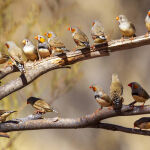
[93,23]
[36,37]
[130,84]
[149,13]
[90,87]
[27,102]
[24,42]
[69,29]
[45,34]
[6,45]
[117,18]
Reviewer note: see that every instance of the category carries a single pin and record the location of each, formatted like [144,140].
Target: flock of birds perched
[55,46]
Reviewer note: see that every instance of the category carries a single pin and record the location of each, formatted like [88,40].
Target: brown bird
[101,97]
[116,91]
[147,23]
[142,123]
[4,114]
[40,105]
[138,93]
[127,28]
[97,32]
[16,55]
[55,43]
[29,50]
[3,58]
[43,47]
[79,38]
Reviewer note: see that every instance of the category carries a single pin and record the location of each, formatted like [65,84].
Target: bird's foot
[147,34]
[110,108]
[132,38]
[93,47]
[122,39]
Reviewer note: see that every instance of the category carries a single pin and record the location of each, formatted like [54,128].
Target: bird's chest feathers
[124,26]
[139,98]
[28,49]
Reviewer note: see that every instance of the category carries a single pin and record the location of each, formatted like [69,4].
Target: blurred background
[68,90]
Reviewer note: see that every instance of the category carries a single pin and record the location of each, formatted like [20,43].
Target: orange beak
[69,29]
[24,42]
[117,18]
[45,34]
[36,37]
[90,87]
[93,23]
[149,13]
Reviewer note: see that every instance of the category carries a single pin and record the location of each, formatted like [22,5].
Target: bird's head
[133,85]
[72,29]
[50,34]
[93,87]
[10,44]
[148,13]
[26,42]
[121,18]
[32,100]
[40,38]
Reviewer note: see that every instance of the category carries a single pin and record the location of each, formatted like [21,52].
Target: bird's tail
[117,104]
[134,35]
[12,111]
[20,67]
[102,37]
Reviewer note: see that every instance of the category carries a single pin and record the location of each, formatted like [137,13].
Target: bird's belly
[44,53]
[103,102]
[148,26]
[31,56]
[144,125]
[138,98]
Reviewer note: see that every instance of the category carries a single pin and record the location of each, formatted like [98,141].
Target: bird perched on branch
[79,38]
[116,91]
[101,97]
[55,43]
[43,47]
[4,114]
[40,105]
[29,50]
[97,32]
[142,123]
[16,55]
[3,58]
[127,28]
[147,22]
[138,93]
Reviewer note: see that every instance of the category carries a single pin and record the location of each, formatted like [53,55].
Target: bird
[116,91]
[97,32]
[138,93]
[55,43]
[147,23]
[79,38]
[101,97]
[127,28]
[29,50]
[40,105]
[142,123]
[43,47]
[3,58]
[16,55]
[4,114]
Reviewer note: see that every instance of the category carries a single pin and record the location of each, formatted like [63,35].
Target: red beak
[130,84]
[90,87]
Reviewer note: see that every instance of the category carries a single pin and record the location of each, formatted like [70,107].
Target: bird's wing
[56,42]
[41,104]
[132,26]
[81,37]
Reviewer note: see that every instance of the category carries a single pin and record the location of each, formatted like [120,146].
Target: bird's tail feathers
[20,67]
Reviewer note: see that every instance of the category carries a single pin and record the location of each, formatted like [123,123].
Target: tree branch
[113,127]
[33,71]
[88,121]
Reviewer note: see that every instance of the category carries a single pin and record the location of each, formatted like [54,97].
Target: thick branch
[113,127]
[87,121]
[40,68]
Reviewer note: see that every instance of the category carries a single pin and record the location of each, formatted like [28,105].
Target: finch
[29,50]
[116,91]
[79,38]
[127,28]
[101,97]
[147,22]
[97,32]
[3,58]
[138,93]
[16,55]
[43,47]
[142,123]
[55,43]
[40,105]
[4,114]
